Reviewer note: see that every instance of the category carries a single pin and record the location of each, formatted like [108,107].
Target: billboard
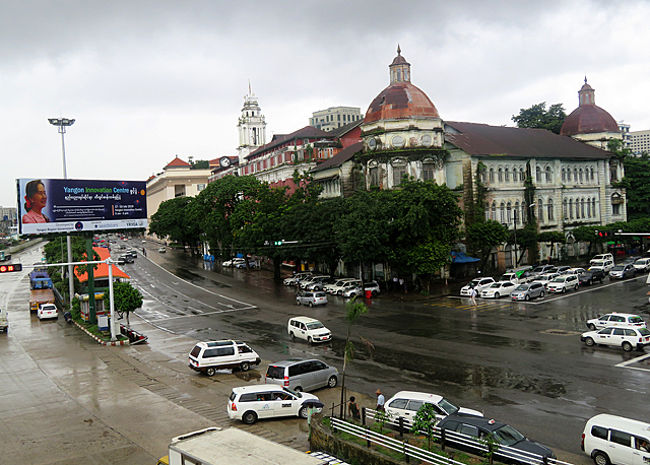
[75,205]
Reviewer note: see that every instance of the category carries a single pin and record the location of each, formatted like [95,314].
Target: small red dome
[588,119]
[400,100]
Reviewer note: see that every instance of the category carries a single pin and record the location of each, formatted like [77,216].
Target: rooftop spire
[400,69]
[400,51]
[251,93]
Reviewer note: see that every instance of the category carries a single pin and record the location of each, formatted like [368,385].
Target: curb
[100,341]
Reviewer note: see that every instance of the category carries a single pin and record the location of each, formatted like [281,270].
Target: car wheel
[542,294]
[297,389]
[210,371]
[339,292]
[576,288]
[564,290]
[600,458]
[245,366]
[249,417]
[311,304]
[332,382]
[527,298]
[496,296]
[627,347]
[589,342]
[292,336]
[308,339]
[591,326]
[302,413]
[297,302]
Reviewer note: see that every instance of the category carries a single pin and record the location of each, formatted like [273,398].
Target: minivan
[302,375]
[208,357]
[602,257]
[616,440]
[248,403]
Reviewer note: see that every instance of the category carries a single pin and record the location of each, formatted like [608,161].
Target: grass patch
[93,329]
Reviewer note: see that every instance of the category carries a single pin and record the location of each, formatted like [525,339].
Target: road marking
[634,360]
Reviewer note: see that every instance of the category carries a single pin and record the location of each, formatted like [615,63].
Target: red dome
[588,119]
[400,100]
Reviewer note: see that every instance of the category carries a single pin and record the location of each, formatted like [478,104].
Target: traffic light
[277,242]
[11,268]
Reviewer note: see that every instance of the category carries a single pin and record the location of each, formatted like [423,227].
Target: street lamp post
[62,123]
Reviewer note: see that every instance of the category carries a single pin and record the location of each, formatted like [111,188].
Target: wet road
[522,363]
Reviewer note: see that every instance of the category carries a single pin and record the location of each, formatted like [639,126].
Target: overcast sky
[147,80]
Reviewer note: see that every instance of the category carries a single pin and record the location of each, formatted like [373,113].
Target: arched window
[494,211]
[500,175]
[592,174]
[565,210]
[491,176]
[540,210]
[593,207]
[503,212]
[507,174]
[571,209]
[509,210]
[581,176]
[588,208]
[538,174]
[582,208]
[563,175]
[522,175]
[575,175]
[568,174]
[549,210]
[517,216]
[549,175]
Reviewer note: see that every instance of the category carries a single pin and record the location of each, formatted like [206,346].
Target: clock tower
[251,125]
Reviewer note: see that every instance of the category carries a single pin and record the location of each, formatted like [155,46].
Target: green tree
[354,310]
[172,221]
[537,116]
[127,298]
[425,422]
[483,236]
[637,186]
[552,237]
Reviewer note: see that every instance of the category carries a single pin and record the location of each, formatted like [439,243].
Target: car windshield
[294,393]
[473,282]
[644,331]
[640,261]
[495,285]
[315,325]
[618,268]
[507,435]
[559,279]
[635,320]
[539,269]
[448,406]
[522,287]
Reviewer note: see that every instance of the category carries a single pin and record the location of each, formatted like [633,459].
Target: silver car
[302,375]
[528,291]
[311,298]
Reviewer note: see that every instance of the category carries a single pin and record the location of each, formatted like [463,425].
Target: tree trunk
[276,268]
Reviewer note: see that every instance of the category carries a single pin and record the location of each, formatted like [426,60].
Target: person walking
[380,400]
[353,408]
[472,296]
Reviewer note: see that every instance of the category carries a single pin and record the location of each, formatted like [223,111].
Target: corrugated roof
[482,139]
[102,268]
[343,130]
[340,158]
[308,132]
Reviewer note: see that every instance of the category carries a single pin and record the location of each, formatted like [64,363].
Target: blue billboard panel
[67,205]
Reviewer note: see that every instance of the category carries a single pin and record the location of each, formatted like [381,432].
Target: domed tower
[589,123]
[404,122]
[251,125]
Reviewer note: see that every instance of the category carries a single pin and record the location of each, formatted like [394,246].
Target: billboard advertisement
[76,205]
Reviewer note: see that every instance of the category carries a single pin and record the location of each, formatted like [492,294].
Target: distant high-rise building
[625,132]
[640,142]
[252,126]
[334,117]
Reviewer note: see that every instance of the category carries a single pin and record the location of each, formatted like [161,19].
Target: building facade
[334,117]
[251,126]
[640,142]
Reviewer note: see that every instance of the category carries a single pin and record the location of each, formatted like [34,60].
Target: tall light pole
[62,123]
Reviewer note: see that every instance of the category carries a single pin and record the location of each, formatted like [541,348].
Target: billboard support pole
[110,299]
[91,283]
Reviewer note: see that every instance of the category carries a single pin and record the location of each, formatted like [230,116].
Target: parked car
[622,271]
[346,285]
[233,262]
[498,290]
[604,265]
[330,288]
[613,320]
[46,311]
[371,286]
[252,264]
[302,375]
[527,291]
[250,403]
[311,298]
[478,283]
[120,261]
[406,404]
[293,280]
[132,253]
[543,269]
[162,250]
[518,278]
[563,269]
[127,258]
[563,283]
[318,283]
[210,356]
[642,265]
[610,439]
[308,329]
[479,429]
[602,257]
[591,276]
[544,279]
[317,278]
[626,338]
[577,271]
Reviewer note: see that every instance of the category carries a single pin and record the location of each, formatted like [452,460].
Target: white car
[545,278]
[613,320]
[642,264]
[47,311]
[293,280]
[371,286]
[478,283]
[331,288]
[627,338]
[564,283]
[307,282]
[604,265]
[498,290]
[250,403]
[308,329]
[233,262]
[616,440]
[406,404]
[345,286]
[577,271]
[602,257]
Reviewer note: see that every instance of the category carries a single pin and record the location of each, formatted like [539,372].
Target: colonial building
[640,142]
[251,126]
[334,117]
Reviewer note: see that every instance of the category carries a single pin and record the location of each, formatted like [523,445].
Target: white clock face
[426,140]
[372,143]
[398,141]
[224,162]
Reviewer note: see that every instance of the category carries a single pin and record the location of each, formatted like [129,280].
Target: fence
[445,437]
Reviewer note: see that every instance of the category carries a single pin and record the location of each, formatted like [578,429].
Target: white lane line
[634,360]
[203,289]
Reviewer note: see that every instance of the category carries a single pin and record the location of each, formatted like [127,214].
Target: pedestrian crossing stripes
[467,305]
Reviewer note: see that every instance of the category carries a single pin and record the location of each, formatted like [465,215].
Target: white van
[602,257]
[4,323]
[208,357]
[616,440]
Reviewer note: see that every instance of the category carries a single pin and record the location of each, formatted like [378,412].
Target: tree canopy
[537,116]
